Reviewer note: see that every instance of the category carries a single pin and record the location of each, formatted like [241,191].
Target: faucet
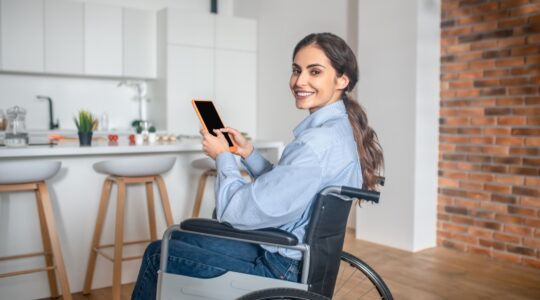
[52,125]
[140,88]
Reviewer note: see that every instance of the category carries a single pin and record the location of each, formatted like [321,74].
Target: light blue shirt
[323,153]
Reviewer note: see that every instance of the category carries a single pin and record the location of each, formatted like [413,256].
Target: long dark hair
[344,62]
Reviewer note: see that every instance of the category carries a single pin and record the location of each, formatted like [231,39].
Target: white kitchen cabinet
[103,40]
[207,57]
[22,35]
[190,75]
[235,88]
[236,33]
[64,37]
[139,32]
[190,29]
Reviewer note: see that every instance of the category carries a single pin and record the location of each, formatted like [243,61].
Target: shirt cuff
[255,162]
[225,161]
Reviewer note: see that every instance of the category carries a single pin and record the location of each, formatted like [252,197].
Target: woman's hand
[244,147]
[214,145]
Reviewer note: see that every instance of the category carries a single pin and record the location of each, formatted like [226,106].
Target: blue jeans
[205,257]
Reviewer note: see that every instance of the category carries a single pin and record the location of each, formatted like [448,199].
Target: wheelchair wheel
[357,280]
[282,293]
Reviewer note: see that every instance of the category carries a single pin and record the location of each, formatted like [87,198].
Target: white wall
[427,125]
[399,58]
[281,24]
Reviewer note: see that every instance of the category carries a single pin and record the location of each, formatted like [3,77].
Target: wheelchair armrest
[215,228]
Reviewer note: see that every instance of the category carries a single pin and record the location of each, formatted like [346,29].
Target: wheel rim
[356,280]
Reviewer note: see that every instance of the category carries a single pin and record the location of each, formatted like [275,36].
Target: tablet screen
[210,117]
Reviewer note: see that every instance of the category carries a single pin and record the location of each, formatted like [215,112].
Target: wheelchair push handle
[348,191]
[360,194]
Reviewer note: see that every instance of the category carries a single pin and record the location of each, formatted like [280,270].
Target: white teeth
[304,94]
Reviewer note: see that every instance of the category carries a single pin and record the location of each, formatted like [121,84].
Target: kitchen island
[75,193]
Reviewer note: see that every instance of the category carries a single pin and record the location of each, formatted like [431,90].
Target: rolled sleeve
[256,164]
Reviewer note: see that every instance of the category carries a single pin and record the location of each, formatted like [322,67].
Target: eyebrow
[309,66]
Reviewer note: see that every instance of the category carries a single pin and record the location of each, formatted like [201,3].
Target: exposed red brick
[504,237]
[519,210]
[532,181]
[512,179]
[489,126]
[491,244]
[511,120]
[516,229]
[480,232]
[520,250]
[506,256]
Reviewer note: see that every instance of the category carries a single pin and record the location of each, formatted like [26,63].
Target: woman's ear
[342,82]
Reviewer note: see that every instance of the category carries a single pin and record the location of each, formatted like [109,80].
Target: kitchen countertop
[103,147]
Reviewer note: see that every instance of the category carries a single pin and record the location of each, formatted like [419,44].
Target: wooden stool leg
[45,238]
[200,194]
[151,210]
[103,203]
[164,200]
[55,243]
[118,240]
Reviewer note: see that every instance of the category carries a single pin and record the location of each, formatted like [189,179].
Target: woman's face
[314,82]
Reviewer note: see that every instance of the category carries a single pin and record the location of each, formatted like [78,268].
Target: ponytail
[367,144]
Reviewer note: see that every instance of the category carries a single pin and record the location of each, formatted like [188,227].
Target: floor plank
[432,274]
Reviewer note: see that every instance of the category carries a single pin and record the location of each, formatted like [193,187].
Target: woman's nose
[301,79]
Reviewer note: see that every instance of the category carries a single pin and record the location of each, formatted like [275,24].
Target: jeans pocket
[282,267]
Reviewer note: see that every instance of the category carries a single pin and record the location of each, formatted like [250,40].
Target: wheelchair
[327,271]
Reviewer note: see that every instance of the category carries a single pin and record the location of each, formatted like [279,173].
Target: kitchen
[60,57]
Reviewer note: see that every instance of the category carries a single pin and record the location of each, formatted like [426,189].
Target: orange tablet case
[231,148]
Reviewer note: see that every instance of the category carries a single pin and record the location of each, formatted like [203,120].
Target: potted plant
[152,137]
[86,123]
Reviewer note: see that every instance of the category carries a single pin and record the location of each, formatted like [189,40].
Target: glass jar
[16,134]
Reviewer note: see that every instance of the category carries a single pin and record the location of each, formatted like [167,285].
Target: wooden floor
[436,273]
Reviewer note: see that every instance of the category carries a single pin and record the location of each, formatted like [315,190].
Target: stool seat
[27,171]
[136,166]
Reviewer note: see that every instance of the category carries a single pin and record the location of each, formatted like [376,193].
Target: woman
[333,146]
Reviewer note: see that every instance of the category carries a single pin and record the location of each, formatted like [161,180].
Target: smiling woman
[333,146]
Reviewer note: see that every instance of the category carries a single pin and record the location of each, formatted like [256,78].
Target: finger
[220,135]
[203,131]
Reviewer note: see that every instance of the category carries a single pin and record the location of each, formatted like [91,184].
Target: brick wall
[489,148]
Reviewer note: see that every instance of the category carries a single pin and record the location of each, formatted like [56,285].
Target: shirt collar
[325,113]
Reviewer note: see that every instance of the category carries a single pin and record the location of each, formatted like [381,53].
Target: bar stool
[31,176]
[209,167]
[124,172]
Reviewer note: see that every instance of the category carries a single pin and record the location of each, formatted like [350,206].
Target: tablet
[210,120]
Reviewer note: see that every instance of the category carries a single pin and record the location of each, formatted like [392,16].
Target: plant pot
[85,138]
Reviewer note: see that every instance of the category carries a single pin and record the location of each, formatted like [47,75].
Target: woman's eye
[315,72]
[296,71]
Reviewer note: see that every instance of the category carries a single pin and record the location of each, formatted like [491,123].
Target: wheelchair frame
[232,285]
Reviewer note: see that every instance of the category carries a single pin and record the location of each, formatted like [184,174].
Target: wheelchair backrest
[325,235]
